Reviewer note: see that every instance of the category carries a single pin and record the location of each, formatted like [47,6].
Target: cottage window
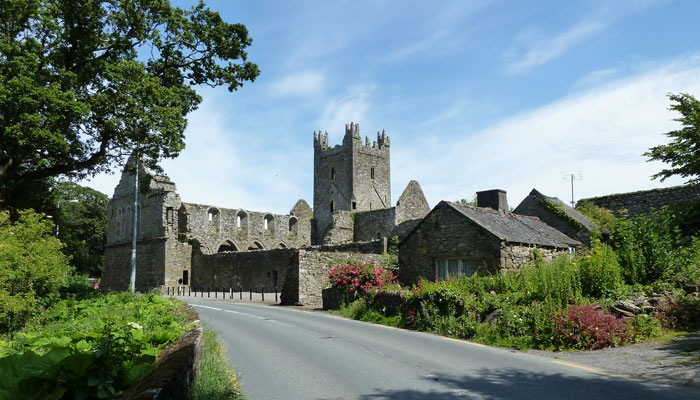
[451,268]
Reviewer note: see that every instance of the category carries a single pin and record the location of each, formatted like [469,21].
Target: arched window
[256,246]
[129,221]
[332,172]
[293,225]
[242,220]
[269,223]
[213,216]
[227,246]
[119,222]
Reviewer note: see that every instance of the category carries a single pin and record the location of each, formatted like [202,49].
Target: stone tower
[353,176]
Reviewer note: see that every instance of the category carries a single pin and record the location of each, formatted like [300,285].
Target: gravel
[675,362]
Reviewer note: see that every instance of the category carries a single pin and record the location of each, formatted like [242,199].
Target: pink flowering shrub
[359,278]
[588,328]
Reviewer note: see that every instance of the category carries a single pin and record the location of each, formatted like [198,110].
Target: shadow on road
[515,384]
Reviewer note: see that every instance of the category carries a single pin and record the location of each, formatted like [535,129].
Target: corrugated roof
[515,228]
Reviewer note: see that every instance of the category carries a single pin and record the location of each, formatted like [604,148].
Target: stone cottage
[557,214]
[455,240]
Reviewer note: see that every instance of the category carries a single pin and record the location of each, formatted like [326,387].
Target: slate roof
[515,228]
[534,194]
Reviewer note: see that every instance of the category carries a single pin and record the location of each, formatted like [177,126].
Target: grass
[360,311]
[215,379]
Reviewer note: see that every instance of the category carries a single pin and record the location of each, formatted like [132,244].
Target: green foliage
[81,221]
[91,348]
[558,209]
[33,269]
[647,247]
[601,275]
[78,92]
[600,216]
[683,152]
[215,380]
[466,202]
[390,259]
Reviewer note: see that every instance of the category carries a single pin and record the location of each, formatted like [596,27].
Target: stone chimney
[494,198]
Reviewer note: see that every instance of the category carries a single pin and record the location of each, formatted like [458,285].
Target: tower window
[333,173]
[332,205]
[354,205]
[371,173]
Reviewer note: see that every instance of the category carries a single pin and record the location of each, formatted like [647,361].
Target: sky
[475,95]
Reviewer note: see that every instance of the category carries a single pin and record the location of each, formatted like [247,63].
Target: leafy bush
[600,216]
[647,246]
[33,269]
[90,348]
[359,278]
[587,328]
[600,272]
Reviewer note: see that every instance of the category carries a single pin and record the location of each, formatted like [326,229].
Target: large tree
[683,152]
[82,82]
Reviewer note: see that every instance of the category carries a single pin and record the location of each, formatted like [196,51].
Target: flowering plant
[359,278]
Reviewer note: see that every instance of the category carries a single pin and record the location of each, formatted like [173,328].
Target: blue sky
[475,95]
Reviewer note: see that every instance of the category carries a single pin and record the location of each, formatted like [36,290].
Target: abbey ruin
[180,243]
[199,246]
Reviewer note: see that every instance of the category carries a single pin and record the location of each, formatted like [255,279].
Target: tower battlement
[353,176]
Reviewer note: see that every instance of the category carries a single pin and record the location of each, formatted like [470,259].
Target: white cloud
[351,106]
[542,49]
[601,132]
[307,83]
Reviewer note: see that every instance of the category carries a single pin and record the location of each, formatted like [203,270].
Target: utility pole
[132,281]
[572,178]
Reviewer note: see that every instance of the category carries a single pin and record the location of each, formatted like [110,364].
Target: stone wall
[375,224]
[248,270]
[514,255]
[298,273]
[642,202]
[353,176]
[222,229]
[313,272]
[446,234]
[150,262]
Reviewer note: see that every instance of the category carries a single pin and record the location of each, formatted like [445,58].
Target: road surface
[290,353]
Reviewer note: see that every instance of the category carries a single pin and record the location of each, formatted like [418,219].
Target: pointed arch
[227,246]
[255,246]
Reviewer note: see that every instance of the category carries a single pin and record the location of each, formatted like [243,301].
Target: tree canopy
[80,216]
[683,152]
[82,82]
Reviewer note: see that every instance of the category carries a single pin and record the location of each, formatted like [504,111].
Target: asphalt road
[289,353]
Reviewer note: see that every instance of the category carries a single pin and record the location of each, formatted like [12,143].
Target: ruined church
[187,244]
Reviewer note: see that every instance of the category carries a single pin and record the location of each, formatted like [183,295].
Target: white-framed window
[451,268]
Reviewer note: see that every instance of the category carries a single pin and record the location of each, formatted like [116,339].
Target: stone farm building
[458,240]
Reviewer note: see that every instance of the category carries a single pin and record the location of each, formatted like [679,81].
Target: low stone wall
[176,369]
[248,270]
[642,202]
[313,272]
[514,256]
[300,274]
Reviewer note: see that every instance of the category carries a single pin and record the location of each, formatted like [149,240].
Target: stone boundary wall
[300,274]
[176,368]
[642,202]
[248,270]
[313,272]
[515,256]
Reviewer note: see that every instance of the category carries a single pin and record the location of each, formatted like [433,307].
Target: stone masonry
[642,202]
